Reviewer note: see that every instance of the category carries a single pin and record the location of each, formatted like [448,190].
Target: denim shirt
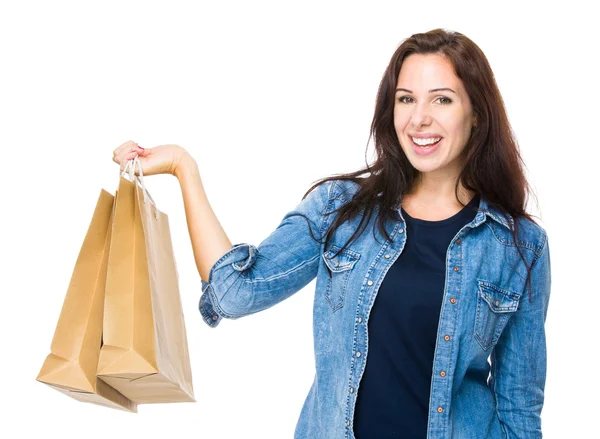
[489,367]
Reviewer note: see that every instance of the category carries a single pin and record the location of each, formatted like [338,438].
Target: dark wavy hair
[493,167]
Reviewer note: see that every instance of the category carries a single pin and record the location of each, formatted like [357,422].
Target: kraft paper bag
[145,351]
[72,364]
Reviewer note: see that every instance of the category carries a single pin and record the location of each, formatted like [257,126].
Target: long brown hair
[493,167]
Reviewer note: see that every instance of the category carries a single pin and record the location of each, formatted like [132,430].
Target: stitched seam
[491,286]
[277,276]
[350,411]
[523,244]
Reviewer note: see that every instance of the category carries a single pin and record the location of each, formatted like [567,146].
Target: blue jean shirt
[489,366]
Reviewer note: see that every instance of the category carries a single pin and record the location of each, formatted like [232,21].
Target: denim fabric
[489,365]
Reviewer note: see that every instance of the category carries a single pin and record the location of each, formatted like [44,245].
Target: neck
[438,190]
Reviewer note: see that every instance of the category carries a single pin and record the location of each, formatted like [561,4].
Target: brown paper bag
[71,366]
[145,352]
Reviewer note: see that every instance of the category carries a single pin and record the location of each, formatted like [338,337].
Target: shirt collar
[486,210]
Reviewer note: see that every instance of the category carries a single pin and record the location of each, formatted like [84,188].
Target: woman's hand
[162,159]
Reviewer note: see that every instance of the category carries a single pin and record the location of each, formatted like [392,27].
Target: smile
[425,146]
[425,142]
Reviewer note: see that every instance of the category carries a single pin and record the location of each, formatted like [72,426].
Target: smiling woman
[407,324]
[449,302]
[431,324]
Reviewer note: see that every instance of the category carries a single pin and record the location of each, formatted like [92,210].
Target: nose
[420,115]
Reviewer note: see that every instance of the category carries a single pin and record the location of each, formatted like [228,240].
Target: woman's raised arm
[209,240]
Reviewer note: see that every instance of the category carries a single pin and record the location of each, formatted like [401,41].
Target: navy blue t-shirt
[393,395]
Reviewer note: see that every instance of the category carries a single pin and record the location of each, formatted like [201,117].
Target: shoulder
[343,190]
[332,189]
[532,233]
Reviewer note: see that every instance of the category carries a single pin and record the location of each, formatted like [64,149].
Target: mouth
[425,146]
[425,143]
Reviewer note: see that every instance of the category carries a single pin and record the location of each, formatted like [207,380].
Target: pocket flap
[498,299]
[343,261]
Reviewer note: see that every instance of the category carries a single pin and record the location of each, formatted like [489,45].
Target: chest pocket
[494,307]
[341,266]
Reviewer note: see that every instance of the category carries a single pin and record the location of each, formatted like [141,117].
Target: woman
[427,267]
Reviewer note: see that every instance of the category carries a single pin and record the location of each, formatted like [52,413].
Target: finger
[122,146]
[117,158]
[127,157]
[121,156]
[128,146]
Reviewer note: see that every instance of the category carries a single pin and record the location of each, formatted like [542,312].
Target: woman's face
[430,104]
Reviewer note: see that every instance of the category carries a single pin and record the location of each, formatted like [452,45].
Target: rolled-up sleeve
[248,279]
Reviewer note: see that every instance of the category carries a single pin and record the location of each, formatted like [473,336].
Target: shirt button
[443,373]
[452,300]
[358,354]
[370,282]
[387,256]
[348,423]
[337,264]
[351,389]
[360,320]
[401,231]
[215,317]
[458,241]
[455,268]
[440,409]
[446,337]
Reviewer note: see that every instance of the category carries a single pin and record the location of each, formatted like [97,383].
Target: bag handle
[130,168]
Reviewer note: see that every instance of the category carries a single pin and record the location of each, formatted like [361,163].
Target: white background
[268,97]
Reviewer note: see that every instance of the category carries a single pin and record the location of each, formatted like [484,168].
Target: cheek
[457,126]
[400,121]
[460,136]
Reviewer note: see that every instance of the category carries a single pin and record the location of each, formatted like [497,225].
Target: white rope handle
[130,168]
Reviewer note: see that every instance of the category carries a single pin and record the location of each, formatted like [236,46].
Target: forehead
[425,71]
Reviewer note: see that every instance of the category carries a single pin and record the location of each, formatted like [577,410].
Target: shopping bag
[145,352]
[72,364]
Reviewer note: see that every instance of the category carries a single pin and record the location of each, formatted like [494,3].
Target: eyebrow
[433,90]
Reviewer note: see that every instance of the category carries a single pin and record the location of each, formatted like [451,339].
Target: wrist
[184,166]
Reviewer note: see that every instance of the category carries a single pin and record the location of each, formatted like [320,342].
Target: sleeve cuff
[239,258]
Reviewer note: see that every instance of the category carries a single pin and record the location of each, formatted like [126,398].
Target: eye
[448,100]
[407,100]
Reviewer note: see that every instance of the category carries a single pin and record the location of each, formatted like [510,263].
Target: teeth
[423,142]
